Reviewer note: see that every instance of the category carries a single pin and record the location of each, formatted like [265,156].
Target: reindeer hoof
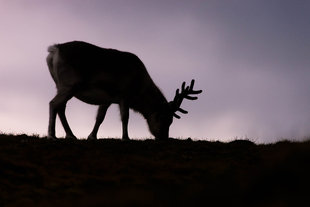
[71,137]
[91,137]
[125,139]
[52,137]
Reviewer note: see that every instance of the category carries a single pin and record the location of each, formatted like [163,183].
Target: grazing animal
[101,77]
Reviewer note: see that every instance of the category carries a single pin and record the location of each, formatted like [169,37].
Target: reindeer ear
[172,108]
[171,105]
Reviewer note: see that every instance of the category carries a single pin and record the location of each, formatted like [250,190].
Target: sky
[251,58]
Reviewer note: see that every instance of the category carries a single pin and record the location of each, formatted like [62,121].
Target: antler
[185,93]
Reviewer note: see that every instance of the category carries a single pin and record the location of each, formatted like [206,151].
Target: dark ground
[39,172]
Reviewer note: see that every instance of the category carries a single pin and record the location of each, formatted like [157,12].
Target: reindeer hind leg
[57,106]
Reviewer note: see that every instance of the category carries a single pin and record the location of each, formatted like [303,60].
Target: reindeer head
[160,121]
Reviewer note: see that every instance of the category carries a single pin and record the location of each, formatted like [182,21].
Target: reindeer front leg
[124,109]
[102,110]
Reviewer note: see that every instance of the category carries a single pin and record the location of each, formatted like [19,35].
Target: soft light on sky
[250,57]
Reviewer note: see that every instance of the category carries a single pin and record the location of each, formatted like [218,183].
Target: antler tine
[192,84]
[190,91]
[186,91]
[192,88]
[183,86]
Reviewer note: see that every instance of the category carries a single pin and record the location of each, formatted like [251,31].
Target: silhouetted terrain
[39,172]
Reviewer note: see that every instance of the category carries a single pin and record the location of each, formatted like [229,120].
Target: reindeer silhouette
[102,76]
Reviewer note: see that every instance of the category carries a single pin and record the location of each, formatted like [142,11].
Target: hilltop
[109,172]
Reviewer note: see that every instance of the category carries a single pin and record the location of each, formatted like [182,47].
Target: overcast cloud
[251,58]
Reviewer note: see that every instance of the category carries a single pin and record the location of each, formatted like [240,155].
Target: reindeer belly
[96,96]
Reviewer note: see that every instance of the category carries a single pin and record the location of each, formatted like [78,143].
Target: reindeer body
[104,76]
[99,75]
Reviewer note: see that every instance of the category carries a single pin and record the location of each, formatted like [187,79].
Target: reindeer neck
[149,101]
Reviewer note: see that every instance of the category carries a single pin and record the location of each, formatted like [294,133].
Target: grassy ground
[39,172]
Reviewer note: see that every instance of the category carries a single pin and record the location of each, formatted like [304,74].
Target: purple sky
[250,57]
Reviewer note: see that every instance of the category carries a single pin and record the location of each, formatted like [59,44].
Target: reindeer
[101,77]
